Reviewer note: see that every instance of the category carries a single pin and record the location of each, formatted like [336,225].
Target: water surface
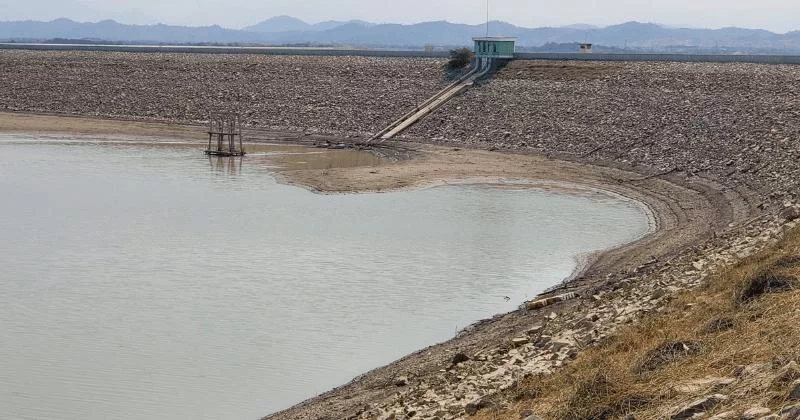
[148,282]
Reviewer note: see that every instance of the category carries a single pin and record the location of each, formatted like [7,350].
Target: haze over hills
[288,30]
[284,23]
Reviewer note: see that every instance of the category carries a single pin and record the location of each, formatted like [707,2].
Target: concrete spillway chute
[480,69]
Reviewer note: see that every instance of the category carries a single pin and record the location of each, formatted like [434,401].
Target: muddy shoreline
[685,211]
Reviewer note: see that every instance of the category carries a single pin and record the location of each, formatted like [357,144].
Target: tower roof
[494,38]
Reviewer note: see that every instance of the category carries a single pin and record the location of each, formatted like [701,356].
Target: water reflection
[226,165]
[294,157]
[144,282]
[264,156]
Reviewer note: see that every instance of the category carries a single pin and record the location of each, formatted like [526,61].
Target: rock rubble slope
[729,133]
[736,122]
[334,95]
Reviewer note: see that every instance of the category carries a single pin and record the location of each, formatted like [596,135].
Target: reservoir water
[145,281]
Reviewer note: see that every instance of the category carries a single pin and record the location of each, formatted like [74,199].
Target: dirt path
[686,210]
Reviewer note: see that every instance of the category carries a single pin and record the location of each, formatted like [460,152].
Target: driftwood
[543,303]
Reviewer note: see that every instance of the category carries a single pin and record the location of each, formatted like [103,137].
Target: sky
[775,15]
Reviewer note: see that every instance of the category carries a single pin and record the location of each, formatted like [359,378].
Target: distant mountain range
[280,24]
[284,30]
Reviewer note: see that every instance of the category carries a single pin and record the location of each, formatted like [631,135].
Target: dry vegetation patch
[729,346]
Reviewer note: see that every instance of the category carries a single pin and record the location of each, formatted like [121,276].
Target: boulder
[698,406]
[708,384]
[790,213]
[794,393]
[788,373]
[724,416]
[472,408]
[790,413]
[560,344]
[536,329]
[755,413]
[520,341]
[528,415]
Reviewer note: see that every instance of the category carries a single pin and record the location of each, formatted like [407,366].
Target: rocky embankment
[736,122]
[563,326]
[727,133]
[330,95]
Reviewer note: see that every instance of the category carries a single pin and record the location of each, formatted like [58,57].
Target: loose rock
[699,406]
[794,394]
[755,413]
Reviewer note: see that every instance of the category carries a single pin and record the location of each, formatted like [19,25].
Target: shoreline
[582,261]
[718,163]
[158,132]
[679,216]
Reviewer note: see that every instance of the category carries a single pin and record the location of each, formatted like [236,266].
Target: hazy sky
[776,15]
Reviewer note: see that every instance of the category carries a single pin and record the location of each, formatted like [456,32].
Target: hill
[289,30]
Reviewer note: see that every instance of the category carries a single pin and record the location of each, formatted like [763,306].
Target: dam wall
[729,133]
[399,53]
[677,58]
[185,49]
[738,122]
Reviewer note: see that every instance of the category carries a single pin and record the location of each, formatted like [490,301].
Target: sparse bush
[460,58]
[790,261]
[602,395]
[669,352]
[766,282]
[718,325]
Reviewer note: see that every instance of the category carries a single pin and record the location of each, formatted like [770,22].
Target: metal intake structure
[225,135]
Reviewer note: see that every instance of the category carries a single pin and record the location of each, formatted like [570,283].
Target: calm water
[147,282]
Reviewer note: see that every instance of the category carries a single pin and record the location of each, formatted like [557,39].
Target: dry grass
[742,317]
